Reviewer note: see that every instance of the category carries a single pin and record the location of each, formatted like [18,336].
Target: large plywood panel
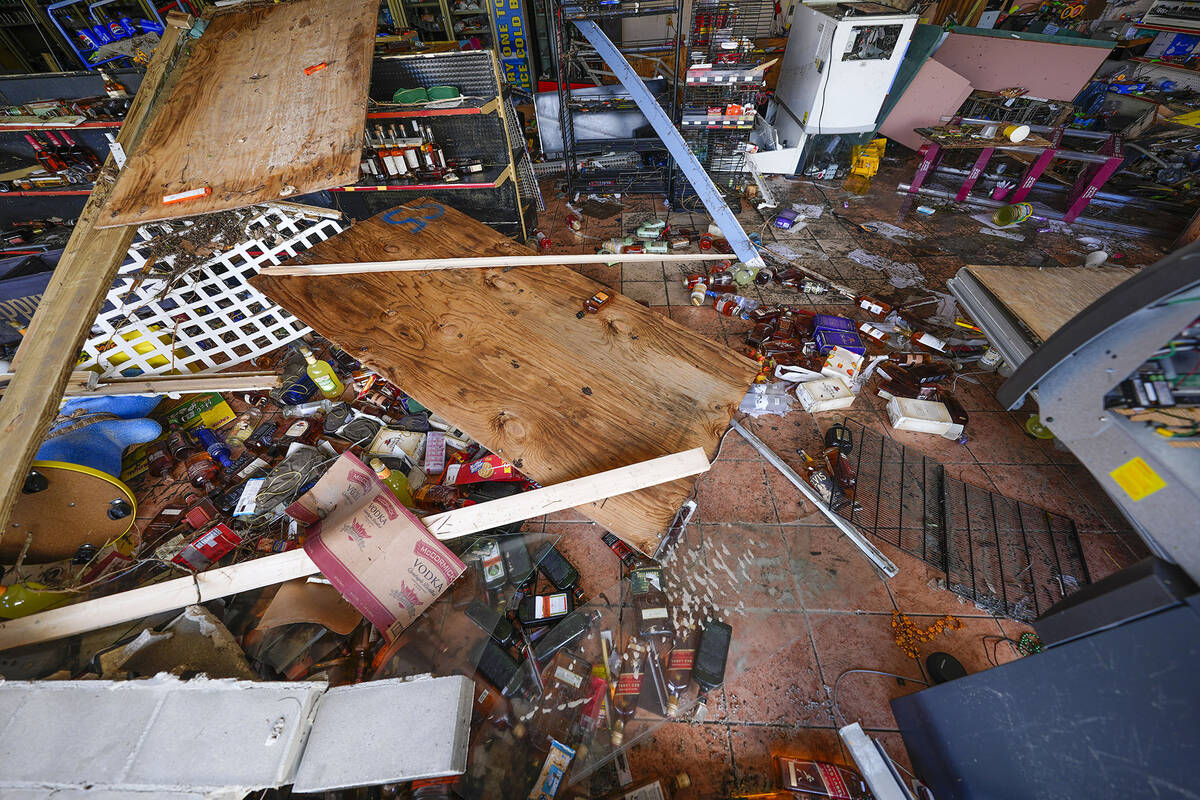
[245,121]
[1052,70]
[1046,299]
[936,91]
[501,353]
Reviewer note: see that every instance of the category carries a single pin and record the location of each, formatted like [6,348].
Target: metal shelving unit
[719,91]
[579,63]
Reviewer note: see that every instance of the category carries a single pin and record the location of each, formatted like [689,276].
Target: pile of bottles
[655,236]
[412,156]
[63,159]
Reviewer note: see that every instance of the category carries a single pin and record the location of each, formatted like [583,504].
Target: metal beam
[665,128]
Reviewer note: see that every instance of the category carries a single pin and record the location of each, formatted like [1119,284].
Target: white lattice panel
[212,319]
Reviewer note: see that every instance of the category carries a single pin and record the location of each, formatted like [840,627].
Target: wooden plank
[245,121]
[472,262]
[501,352]
[1046,299]
[85,384]
[137,603]
[72,298]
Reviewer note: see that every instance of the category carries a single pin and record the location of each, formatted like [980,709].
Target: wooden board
[934,92]
[501,353]
[75,293]
[246,122]
[1046,299]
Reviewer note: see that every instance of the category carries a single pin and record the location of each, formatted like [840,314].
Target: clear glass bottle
[243,426]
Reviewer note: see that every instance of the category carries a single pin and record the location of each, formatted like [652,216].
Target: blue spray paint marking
[436,208]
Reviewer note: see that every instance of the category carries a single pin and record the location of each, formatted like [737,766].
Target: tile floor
[814,607]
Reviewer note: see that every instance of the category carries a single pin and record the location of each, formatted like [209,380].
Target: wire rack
[214,319]
[722,32]
[1008,557]
[1019,110]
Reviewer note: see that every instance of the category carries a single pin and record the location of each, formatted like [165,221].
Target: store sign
[511,42]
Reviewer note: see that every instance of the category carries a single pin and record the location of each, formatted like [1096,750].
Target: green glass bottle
[395,480]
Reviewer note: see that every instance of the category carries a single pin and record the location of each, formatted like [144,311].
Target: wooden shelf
[490,178]
[1167,29]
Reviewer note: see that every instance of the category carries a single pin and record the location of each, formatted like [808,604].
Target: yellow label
[1137,479]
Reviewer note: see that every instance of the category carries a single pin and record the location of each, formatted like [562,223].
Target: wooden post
[72,299]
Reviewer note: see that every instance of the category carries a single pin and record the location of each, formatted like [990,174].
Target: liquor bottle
[312,408]
[49,161]
[561,573]
[627,689]
[304,431]
[395,480]
[438,155]
[158,458]
[179,444]
[764,276]
[492,706]
[569,630]
[410,149]
[542,241]
[928,342]
[631,558]
[367,163]
[594,303]
[567,679]
[679,667]
[213,444]
[538,610]
[699,291]
[243,425]
[59,150]
[322,374]
[169,518]
[262,438]
[874,334]
[650,601]
[823,482]
[732,305]
[113,87]
[85,154]
[711,654]
[908,359]
[876,308]
[202,470]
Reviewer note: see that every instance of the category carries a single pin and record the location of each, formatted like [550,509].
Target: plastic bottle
[322,374]
[395,480]
[542,240]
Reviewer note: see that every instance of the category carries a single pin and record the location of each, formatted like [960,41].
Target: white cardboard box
[824,394]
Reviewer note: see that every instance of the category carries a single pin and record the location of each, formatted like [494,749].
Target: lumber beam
[72,299]
[470,262]
[134,604]
[89,384]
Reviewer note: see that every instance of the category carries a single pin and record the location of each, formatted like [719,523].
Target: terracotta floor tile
[1045,486]
[735,491]
[997,438]
[678,294]
[755,748]
[858,641]
[915,587]
[786,689]
[1104,554]
[642,271]
[610,276]
[651,293]
[965,644]
[832,574]
[702,751]
[760,636]
[749,566]
[934,446]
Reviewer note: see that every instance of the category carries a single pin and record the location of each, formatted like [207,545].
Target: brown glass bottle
[678,670]
[650,601]
[627,689]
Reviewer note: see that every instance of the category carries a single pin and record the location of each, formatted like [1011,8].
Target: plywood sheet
[1054,70]
[1046,299]
[501,353]
[245,121]
[936,91]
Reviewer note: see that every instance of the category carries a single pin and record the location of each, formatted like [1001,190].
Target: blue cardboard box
[830,322]
[827,340]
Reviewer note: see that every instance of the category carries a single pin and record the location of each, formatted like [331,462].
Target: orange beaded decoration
[909,636]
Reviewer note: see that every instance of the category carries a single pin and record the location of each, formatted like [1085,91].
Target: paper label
[566,676]
[1138,479]
[652,792]
[834,784]
[629,683]
[550,605]
[931,341]
[654,613]
[681,659]
[249,499]
[372,549]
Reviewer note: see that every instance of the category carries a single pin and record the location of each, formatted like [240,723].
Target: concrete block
[387,731]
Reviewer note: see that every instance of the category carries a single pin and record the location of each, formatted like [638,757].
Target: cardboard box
[824,394]
[922,416]
[842,363]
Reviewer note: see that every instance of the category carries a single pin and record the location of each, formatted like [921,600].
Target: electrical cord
[837,682]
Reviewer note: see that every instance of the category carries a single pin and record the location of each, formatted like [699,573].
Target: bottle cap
[618,736]
[672,706]
[379,467]
[683,780]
